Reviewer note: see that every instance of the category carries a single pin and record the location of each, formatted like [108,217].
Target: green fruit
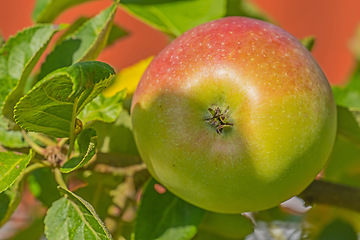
[235,115]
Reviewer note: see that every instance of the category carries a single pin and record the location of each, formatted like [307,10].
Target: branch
[334,194]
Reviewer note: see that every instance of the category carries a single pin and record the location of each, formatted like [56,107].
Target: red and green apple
[234,115]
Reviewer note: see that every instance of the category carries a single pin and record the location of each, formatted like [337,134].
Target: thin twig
[123,171]
[334,194]
[59,178]
[32,144]
[43,139]
[32,167]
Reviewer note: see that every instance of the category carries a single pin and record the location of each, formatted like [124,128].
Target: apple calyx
[218,119]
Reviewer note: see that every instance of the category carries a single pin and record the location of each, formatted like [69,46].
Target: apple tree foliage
[66,136]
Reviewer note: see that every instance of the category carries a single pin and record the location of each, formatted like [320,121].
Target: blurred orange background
[332,22]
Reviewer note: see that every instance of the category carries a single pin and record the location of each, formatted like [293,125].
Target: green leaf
[73,28]
[175,17]
[9,138]
[48,108]
[99,190]
[2,40]
[34,231]
[349,96]
[228,226]
[116,31]
[72,218]
[308,42]
[245,8]
[165,216]
[9,200]
[43,186]
[48,10]
[115,34]
[338,229]
[82,45]
[103,109]
[116,137]
[18,57]
[344,163]
[11,166]
[87,141]
[348,125]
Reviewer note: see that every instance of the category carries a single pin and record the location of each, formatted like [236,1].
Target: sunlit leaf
[48,10]
[349,95]
[87,141]
[308,42]
[245,8]
[176,17]
[165,216]
[72,218]
[48,108]
[18,57]
[84,44]
[11,166]
[103,109]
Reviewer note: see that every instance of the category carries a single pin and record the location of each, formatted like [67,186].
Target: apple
[234,115]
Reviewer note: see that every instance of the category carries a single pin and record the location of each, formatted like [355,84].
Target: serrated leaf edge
[56,28]
[89,207]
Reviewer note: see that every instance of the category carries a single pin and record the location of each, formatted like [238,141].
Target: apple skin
[279,102]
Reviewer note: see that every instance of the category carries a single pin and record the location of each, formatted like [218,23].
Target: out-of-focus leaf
[321,216]
[18,57]
[73,27]
[103,109]
[11,166]
[148,1]
[338,229]
[98,190]
[2,40]
[348,124]
[344,163]
[116,137]
[48,10]
[43,186]
[165,216]
[308,42]
[115,34]
[87,141]
[128,78]
[176,17]
[48,107]
[349,96]
[9,138]
[32,232]
[245,8]
[9,201]
[82,45]
[227,226]
[205,235]
[72,218]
